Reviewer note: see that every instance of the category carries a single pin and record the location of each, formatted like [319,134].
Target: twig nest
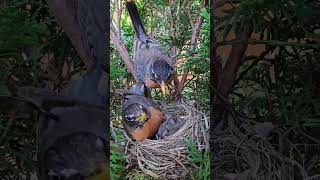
[167,157]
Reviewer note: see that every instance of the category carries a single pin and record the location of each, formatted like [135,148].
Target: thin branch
[181,85]
[267,42]
[196,27]
[119,13]
[123,52]
[229,73]
[115,35]
[189,14]
[175,20]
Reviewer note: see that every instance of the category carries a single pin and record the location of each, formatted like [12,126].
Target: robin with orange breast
[141,116]
[72,141]
[153,65]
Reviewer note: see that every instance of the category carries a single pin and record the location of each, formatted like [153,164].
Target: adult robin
[153,65]
[71,137]
[72,127]
[91,20]
[141,116]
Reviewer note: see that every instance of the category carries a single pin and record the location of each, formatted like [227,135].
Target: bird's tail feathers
[136,21]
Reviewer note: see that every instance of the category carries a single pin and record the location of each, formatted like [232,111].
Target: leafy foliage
[201,159]
[116,161]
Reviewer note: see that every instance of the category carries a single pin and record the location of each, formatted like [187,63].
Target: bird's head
[161,72]
[135,113]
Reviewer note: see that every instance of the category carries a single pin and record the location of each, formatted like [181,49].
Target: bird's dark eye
[154,75]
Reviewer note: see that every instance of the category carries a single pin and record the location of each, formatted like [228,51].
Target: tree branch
[233,63]
[181,85]
[267,42]
[123,52]
[115,35]
[229,73]
[174,14]
[196,27]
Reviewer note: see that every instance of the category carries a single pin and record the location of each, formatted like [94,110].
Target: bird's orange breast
[150,127]
[151,84]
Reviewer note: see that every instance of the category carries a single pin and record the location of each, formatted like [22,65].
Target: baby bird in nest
[169,127]
[141,117]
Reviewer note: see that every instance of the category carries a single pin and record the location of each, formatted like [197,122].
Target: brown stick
[115,36]
[181,85]
[123,52]
[233,63]
[196,27]
[229,73]
[174,35]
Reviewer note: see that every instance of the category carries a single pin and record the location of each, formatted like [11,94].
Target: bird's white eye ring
[154,74]
[129,116]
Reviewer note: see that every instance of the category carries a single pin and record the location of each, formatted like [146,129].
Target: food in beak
[164,89]
[142,117]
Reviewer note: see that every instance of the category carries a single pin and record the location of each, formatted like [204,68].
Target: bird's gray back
[145,55]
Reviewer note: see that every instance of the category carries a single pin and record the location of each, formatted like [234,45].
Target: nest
[247,152]
[167,158]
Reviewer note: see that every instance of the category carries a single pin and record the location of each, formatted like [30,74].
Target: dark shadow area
[265,89]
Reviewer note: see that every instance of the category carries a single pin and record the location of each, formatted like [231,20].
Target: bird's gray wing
[91,16]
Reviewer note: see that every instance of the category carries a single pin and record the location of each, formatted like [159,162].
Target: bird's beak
[102,175]
[164,89]
[142,117]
